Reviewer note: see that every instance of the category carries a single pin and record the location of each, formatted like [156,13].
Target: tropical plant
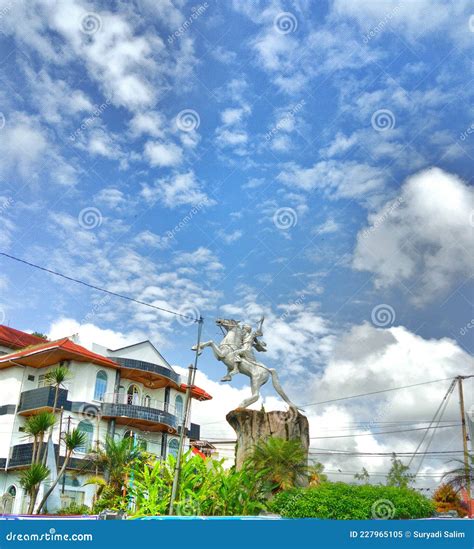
[447,499]
[398,474]
[74,509]
[316,474]
[31,479]
[352,502]
[73,440]
[36,426]
[40,334]
[460,476]
[281,462]
[206,488]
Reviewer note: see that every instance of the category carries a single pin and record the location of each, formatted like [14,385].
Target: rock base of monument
[252,426]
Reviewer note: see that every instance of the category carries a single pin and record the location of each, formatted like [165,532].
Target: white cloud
[163,154]
[149,123]
[230,237]
[176,190]
[111,197]
[423,236]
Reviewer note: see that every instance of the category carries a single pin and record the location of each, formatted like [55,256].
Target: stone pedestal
[254,425]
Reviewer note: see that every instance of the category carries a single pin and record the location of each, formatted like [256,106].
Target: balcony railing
[43,397]
[149,367]
[149,411]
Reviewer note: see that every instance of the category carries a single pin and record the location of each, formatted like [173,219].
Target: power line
[98,288]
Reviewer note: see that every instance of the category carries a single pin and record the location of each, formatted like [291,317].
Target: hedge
[337,500]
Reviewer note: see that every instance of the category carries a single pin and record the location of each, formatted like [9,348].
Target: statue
[236,351]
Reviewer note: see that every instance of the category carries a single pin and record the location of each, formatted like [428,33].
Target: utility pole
[467,467]
[187,407]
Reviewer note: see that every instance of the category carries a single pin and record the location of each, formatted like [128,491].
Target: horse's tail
[279,388]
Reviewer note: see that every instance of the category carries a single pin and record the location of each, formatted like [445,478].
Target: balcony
[147,415]
[21,455]
[41,399]
[151,375]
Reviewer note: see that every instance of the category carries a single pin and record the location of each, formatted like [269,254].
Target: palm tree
[73,440]
[55,377]
[114,459]
[30,480]
[36,426]
[281,462]
[460,476]
[316,474]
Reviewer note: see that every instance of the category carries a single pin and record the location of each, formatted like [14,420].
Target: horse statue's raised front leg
[215,349]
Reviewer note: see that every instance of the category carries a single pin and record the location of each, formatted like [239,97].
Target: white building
[117,392]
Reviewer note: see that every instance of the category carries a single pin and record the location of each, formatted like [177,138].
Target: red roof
[16,339]
[196,392]
[51,352]
[198,452]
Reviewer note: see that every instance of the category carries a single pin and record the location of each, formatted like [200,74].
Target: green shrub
[74,509]
[336,500]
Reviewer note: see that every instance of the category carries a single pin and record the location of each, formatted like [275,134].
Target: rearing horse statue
[236,351]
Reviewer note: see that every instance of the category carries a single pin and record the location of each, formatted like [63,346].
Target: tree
[31,479]
[281,462]
[363,476]
[36,427]
[458,477]
[316,475]
[73,440]
[447,499]
[55,377]
[41,335]
[398,474]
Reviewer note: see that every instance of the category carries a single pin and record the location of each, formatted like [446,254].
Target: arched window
[133,395]
[178,407]
[147,401]
[8,500]
[173,446]
[86,428]
[100,385]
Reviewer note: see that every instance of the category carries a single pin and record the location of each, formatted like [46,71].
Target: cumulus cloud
[176,190]
[424,234]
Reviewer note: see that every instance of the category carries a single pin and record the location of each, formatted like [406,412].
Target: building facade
[132,391]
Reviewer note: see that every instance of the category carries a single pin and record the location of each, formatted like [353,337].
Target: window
[31,378]
[147,401]
[178,406]
[100,385]
[43,381]
[133,395]
[86,428]
[173,447]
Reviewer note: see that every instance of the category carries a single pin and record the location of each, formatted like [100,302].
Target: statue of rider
[250,342]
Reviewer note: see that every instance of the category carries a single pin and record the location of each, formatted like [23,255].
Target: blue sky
[307,161]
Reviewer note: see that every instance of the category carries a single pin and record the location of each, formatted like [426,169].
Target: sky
[306,161]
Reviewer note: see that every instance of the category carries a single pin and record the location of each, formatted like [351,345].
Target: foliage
[398,474]
[458,476]
[36,426]
[74,509]
[363,476]
[281,462]
[41,335]
[316,474]
[30,481]
[346,501]
[206,488]
[447,499]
